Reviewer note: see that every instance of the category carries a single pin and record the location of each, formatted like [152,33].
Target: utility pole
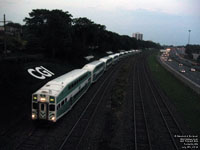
[189,36]
[5,36]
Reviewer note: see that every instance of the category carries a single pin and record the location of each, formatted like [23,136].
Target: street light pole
[189,37]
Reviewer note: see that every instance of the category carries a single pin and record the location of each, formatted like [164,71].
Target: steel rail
[163,100]
[159,108]
[137,78]
[143,109]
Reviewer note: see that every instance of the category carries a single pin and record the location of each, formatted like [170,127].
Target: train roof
[112,56]
[91,66]
[54,86]
[94,63]
[105,58]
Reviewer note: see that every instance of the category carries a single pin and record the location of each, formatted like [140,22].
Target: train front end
[43,107]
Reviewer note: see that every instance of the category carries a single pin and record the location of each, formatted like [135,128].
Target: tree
[192,49]
[51,30]
[86,35]
[14,25]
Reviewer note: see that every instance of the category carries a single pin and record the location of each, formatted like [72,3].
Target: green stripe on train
[66,91]
[68,104]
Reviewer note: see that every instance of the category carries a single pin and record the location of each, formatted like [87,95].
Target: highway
[193,76]
[176,55]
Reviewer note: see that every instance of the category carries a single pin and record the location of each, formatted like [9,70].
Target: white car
[180,64]
[193,69]
[169,60]
[182,70]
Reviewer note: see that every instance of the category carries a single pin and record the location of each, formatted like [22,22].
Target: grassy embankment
[114,116]
[185,99]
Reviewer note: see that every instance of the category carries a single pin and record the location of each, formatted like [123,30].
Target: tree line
[57,34]
[190,49]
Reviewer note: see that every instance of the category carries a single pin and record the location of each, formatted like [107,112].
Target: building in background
[181,50]
[138,36]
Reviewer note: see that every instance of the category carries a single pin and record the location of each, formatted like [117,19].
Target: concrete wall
[181,77]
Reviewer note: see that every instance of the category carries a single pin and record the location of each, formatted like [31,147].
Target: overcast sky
[162,21]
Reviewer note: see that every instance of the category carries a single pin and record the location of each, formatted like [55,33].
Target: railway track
[141,132]
[13,127]
[75,138]
[35,137]
[172,128]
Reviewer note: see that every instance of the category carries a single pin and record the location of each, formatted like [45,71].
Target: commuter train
[58,96]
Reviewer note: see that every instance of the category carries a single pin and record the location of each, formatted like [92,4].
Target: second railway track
[141,131]
[172,127]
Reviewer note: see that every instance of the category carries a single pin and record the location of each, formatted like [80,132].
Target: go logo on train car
[40,72]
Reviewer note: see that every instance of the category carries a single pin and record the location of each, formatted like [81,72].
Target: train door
[43,111]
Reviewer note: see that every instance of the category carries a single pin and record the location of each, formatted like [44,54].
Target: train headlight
[53,119]
[42,99]
[33,116]
[34,98]
[52,99]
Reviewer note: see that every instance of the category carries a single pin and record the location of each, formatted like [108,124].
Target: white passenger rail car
[114,58]
[58,96]
[107,61]
[96,68]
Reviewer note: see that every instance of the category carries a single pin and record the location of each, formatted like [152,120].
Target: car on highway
[169,59]
[182,70]
[180,64]
[192,69]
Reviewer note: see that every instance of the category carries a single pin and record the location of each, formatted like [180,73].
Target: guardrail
[195,87]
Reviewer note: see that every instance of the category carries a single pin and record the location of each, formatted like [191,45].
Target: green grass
[186,100]
[118,91]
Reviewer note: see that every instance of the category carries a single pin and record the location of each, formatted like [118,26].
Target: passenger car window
[58,106]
